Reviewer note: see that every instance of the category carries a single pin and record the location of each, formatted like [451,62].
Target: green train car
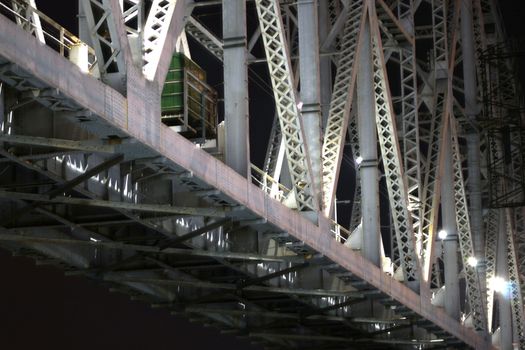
[187,102]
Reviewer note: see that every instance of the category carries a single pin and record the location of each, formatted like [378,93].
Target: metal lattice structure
[341,103]
[280,68]
[99,186]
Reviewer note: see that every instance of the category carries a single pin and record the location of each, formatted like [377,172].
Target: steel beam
[195,233]
[28,18]
[154,208]
[448,215]
[279,64]
[163,27]
[236,113]
[234,287]
[368,169]
[87,146]
[104,19]
[391,156]
[310,96]
[149,249]
[341,102]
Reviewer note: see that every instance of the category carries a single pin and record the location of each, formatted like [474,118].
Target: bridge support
[473,139]
[450,244]
[235,86]
[368,147]
[309,82]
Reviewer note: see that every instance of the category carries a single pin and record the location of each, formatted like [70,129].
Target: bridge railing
[280,192]
[48,32]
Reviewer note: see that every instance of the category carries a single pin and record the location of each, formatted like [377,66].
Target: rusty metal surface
[138,117]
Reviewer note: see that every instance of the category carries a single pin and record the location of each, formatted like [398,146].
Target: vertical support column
[83,28]
[310,84]
[3,119]
[450,249]
[473,138]
[505,314]
[325,63]
[368,148]
[235,86]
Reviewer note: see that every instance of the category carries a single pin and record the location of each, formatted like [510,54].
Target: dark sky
[42,309]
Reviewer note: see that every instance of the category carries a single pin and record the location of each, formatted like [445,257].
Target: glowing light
[472,261]
[359,160]
[442,234]
[300,105]
[498,284]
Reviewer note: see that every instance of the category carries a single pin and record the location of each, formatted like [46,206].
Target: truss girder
[520,240]
[28,18]
[430,194]
[473,286]
[133,15]
[279,65]
[434,133]
[410,121]
[204,37]
[341,102]
[480,41]
[491,248]
[353,134]
[514,283]
[155,34]
[440,34]
[105,36]
[392,160]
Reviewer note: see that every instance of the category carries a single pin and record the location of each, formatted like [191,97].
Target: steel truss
[120,198]
[391,155]
[279,64]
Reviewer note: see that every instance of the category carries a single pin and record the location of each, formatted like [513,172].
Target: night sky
[40,308]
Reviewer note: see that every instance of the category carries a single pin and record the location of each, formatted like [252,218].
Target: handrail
[62,37]
[268,184]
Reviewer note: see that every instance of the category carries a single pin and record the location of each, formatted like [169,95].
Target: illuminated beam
[164,25]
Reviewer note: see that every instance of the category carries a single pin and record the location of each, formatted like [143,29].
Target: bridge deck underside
[213,284]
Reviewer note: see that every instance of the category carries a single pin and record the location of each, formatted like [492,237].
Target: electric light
[472,261]
[442,234]
[497,284]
